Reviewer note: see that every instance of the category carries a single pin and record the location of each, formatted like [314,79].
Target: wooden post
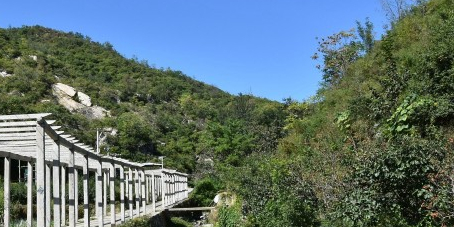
[130,193]
[99,194]
[126,183]
[63,195]
[71,189]
[40,176]
[186,187]
[112,194]
[153,195]
[29,194]
[6,192]
[104,196]
[144,201]
[172,179]
[158,185]
[137,192]
[56,184]
[86,174]
[48,214]
[76,194]
[147,189]
[163,191]
[122,194]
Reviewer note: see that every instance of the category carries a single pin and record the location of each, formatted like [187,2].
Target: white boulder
[84,99]
[68,90]
[5,74]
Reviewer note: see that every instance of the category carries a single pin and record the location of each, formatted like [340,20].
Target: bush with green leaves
[393,182]
[229,216]
[204,192]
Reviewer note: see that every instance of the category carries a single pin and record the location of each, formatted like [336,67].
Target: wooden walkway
[56,160]
[118,221]
[191,209]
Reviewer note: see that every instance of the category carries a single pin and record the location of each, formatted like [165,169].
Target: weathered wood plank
[17,123]
[20,129]
[24,116]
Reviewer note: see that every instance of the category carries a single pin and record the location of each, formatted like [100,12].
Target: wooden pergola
[33,139]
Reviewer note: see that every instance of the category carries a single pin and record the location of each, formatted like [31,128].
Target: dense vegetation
[373,147]
[156,111]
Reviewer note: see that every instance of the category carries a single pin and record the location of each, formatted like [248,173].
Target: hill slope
[156,111]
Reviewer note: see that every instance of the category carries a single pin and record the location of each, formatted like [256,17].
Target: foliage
[229,216]
[275,196]
[366,34]
[138,222]
[179,222]
[338,51]
[373,147]
[204,192]
[229,142]
[157,112]
[393,180]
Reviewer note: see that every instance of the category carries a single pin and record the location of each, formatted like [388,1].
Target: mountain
[143,112]
[373,147]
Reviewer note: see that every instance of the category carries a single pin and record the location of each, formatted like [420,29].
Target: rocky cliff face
[66,96]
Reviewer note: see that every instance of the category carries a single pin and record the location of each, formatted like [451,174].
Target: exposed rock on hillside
[68,90]
[5,74]
[84,99]
[65,93]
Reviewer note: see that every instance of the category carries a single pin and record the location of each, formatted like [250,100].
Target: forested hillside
[154,112]
[373,147]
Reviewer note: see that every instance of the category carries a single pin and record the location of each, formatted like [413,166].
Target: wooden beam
[71,190]
[56,184]
[29,193]
[112,194]
[24,116]
[122,194]
[17,123]
[48,184]
[85,186]
[6,192]
[99,194]
[40,176]
[21,129]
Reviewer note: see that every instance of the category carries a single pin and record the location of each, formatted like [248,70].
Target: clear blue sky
[261,47]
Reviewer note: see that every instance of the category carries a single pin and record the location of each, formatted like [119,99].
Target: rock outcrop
[65,95]
[68,90]
[5,74]
[84,99]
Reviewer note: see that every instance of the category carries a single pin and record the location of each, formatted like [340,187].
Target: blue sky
[261,47]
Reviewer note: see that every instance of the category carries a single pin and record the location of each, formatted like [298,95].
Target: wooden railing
[57,159]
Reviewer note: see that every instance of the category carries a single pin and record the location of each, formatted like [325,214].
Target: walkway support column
[63,195]
[86,173]
[147,190]
[29,194]
[71,189]
[6,192]
[56,183]
[104,196]
[163,200]
[40,176]
[112,194]
[153,194]
[137,192]
[143,194]
[99,194]
[76,194]
[122,194]
[130,193]
[48,174]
